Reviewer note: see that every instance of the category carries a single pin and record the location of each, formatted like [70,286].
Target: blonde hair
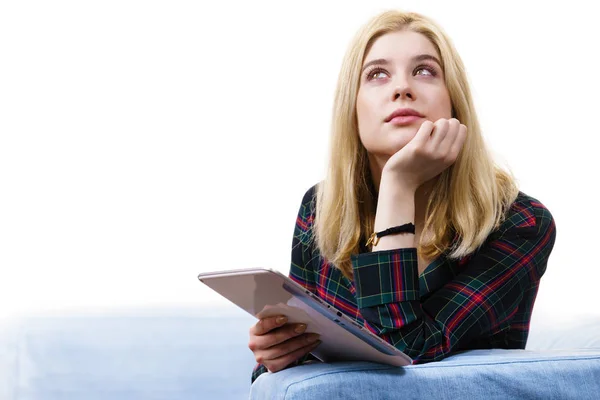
[469,199]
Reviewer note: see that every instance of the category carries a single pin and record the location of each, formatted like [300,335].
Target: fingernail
[313,338]
[300,328]
[318,342]
[280,320]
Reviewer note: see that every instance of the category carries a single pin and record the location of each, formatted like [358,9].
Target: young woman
[461,266]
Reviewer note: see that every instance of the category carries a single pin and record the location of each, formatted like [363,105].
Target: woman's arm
[480,300]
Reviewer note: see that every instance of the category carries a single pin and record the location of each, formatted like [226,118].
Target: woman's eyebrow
[384,61]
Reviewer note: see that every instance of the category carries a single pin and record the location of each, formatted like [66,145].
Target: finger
[439,133]
[276,336]
[282,362]
[423,134]
[459,142]
[265,325]
[289,346]
[446,143]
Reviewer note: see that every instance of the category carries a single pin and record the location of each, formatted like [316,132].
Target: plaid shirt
[481,301]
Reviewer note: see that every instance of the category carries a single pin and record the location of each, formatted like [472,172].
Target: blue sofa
[134,354]
[199,354]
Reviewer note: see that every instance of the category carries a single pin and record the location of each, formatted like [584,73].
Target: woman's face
[400,71]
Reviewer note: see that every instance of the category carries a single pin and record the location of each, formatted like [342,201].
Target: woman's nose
[402,88]
[402,92]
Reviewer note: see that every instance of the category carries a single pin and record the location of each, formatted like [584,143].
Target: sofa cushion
[476,374]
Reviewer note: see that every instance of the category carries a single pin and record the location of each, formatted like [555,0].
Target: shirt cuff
[388,276]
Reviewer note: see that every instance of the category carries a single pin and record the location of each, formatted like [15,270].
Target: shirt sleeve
[300,270]
[480,300]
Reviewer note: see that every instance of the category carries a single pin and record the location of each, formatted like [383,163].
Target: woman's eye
[428,71]
[374,73]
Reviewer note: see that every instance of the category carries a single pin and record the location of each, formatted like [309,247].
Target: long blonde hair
[469,199]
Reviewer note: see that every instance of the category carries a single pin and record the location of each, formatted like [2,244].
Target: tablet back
[265,293]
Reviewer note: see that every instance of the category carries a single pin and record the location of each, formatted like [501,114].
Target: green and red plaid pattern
[481,301]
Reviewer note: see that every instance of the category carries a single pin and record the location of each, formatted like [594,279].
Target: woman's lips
[404,120]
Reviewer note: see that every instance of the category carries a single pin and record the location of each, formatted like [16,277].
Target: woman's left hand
[433,149]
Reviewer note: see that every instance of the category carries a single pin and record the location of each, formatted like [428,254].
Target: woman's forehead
[402,46]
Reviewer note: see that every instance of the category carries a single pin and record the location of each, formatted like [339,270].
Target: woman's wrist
[393,182]
[395,206]
[395,203]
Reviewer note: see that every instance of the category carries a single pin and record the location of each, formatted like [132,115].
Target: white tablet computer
[265,293]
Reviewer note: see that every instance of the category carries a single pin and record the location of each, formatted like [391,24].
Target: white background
[145,142]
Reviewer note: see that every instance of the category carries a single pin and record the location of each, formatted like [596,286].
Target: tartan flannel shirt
[481,301]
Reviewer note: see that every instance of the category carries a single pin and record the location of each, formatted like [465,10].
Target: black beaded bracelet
[408,228]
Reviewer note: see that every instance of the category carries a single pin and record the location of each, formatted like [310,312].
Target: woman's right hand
[277,344]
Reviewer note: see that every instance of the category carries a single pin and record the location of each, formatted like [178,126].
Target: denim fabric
[476,374]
